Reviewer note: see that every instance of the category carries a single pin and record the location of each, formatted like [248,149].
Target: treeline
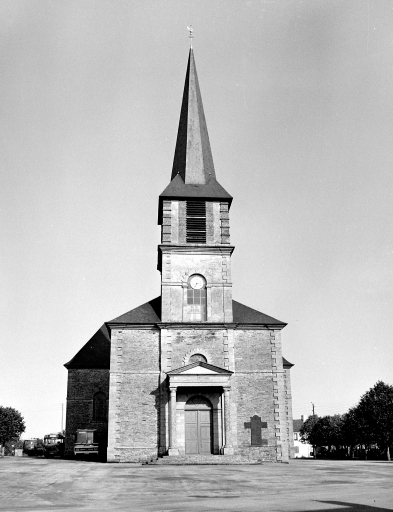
[366,430]
[12,425]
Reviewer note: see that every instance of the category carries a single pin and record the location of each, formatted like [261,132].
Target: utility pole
[313,408]
[62,405]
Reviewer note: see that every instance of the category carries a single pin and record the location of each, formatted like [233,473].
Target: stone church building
[192,372]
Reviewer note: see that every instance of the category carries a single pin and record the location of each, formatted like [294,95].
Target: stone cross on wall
[256,435]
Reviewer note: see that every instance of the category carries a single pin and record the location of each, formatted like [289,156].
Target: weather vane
[191,30]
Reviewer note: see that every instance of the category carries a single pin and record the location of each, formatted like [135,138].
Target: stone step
[190,460]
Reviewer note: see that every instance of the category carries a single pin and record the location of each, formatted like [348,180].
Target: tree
[376,410]
[328,431]
[12,445]
[325,431]
[307,432]
[12,424]
[355,430]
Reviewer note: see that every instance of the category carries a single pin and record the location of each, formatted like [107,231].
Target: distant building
[191,372]
[300,449]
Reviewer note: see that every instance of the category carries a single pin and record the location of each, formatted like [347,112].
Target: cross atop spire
[191,30]
[193,157]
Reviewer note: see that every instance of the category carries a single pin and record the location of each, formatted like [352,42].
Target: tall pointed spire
[193,159]
[193,176]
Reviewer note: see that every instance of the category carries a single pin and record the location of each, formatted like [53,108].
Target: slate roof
[96,352]
[245,315]
[178,189]
[193,157]
[150,313]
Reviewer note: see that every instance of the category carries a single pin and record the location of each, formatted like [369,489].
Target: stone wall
[259,391]
[134,395]
[214,264]
[82,385]
[209,342]
[288,411]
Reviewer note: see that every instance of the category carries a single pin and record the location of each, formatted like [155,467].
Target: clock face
[196,282]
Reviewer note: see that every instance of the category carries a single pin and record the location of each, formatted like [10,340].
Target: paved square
[36,484]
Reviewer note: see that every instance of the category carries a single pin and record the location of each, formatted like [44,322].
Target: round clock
[197,282]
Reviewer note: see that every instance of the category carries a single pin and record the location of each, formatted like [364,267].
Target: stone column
[173,450]
[228,448]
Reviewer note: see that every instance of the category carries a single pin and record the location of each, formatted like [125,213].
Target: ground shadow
[351,507]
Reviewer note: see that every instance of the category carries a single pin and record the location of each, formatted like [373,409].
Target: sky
[298,98]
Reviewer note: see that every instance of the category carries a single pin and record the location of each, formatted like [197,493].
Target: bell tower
[194,256]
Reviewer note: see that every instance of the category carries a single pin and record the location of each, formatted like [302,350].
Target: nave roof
[150,313]
[96,352]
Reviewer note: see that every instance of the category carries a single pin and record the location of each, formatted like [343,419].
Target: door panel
[204,439]
[191,431]
[198,431]
[204,416]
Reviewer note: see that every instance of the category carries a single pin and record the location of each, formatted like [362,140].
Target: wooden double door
[198,424]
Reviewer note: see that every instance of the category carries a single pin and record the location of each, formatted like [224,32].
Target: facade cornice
[199,380]
[126,326]
[197,326]
[184,284]
[220,326]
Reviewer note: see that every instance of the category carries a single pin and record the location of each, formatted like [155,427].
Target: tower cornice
[197,249]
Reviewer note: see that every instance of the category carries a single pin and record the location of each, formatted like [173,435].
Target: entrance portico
[199,383]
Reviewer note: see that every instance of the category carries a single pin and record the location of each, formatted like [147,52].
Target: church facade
[192,372]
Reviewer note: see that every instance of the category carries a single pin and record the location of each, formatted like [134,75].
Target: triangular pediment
[199,368]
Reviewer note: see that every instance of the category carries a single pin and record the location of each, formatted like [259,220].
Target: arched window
[99,406]
[195,358]
[196,298]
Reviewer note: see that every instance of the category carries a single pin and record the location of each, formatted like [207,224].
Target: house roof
[95,353]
